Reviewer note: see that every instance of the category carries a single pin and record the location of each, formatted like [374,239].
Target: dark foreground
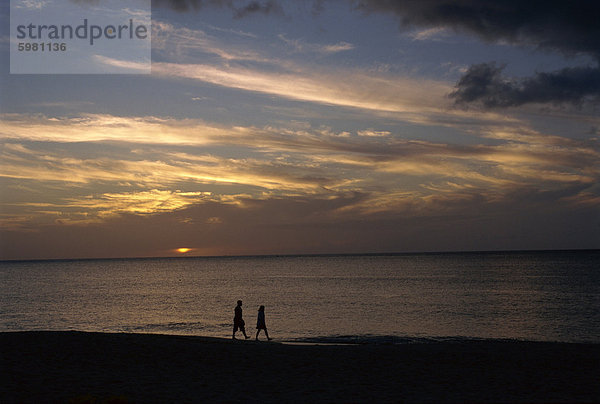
[93,367]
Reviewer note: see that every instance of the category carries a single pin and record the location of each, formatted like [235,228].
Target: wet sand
[95,367]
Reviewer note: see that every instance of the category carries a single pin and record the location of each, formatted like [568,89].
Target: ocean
[397,298]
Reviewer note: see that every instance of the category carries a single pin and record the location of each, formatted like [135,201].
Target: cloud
[484,84]
[391,174]
[107,128]
[124,65]
[373,133]
[31,4]
[307,193]
[143,202]
[98,208]
[568,27]
[401,97]
[356,90]
[429,34]
[240,8]
[370,148]
[233,31]
[301,46]
[405,98]
[263,7]
[552,25]
[300,225]
[181,42]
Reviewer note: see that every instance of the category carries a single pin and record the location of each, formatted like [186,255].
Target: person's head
[261,308]
[239,302]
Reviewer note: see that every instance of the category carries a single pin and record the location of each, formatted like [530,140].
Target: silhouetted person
[260,323]
[238,321]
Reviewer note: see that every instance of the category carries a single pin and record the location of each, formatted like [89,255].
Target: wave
[369,339]
[167,327]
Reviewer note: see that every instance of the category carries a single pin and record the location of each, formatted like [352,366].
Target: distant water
[547,296]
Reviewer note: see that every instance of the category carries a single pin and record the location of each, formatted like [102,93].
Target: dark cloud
[570,27]
[179,5]
[240,8]
[483,84]
[264,7]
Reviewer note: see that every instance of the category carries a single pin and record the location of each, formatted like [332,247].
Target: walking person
[238,321]
[261,324]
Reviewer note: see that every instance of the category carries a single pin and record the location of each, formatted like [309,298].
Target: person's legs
[267,334]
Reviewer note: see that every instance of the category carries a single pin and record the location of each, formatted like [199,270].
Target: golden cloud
[317,163]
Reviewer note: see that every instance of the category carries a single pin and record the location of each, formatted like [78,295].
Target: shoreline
[72,366]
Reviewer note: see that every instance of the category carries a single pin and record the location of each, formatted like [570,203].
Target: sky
[313,127]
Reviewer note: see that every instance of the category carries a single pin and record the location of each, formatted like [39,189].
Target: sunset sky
[292,127]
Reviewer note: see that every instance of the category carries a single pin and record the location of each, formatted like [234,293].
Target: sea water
[544,296]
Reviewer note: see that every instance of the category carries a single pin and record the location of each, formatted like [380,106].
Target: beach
[114,367]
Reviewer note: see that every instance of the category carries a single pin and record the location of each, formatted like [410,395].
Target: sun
[183,250]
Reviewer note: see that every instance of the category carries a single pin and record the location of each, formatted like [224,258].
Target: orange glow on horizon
[183,250]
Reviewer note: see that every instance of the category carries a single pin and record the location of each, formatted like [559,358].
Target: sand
[95,367]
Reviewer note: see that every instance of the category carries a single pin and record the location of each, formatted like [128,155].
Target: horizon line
[234,256]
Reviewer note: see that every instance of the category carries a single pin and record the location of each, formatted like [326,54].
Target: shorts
[241,325]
